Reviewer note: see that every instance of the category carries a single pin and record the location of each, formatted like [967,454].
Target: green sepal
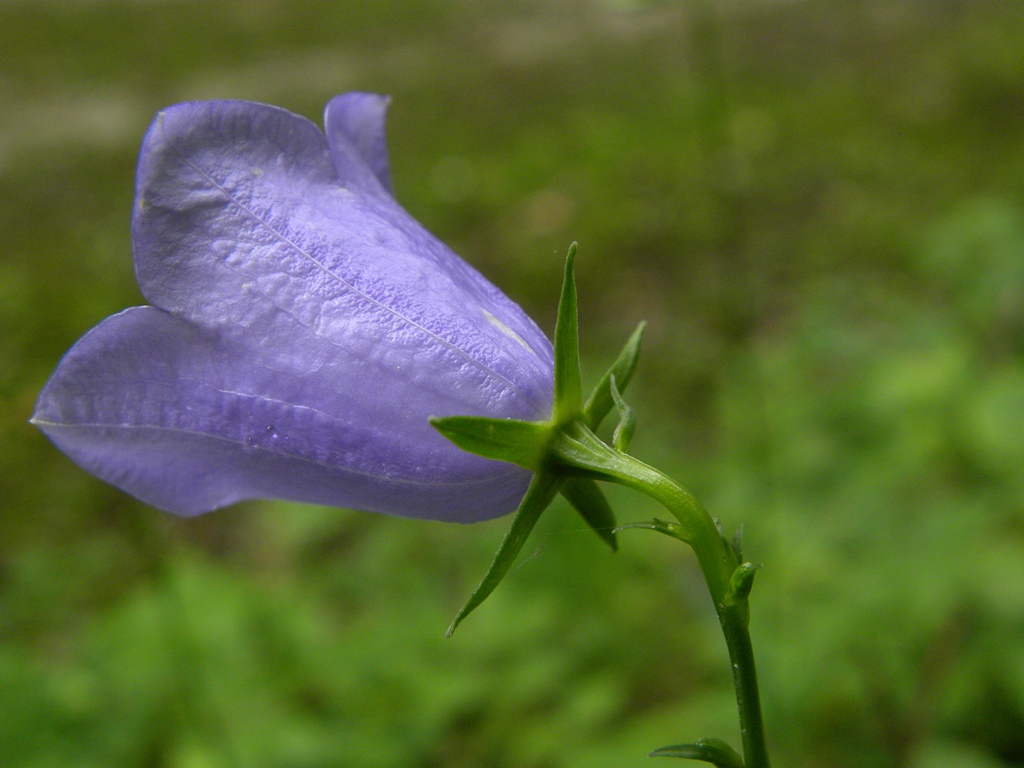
[714,751]
[532,444]
[568,389]
[740,584]
[674,530]
[520,442]
[587,499]
[624,430]
[600,401]
[542,490]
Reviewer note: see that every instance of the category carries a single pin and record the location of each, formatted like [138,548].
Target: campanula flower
[302,330]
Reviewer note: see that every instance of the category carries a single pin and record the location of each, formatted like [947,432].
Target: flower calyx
[541,446]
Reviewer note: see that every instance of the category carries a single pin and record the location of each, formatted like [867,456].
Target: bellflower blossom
[303,328]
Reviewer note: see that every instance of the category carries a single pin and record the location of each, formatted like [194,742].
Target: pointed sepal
[714,751]
[600,401]
[624,430]
[568,389]
[520,442]
[586,498]
[538,496]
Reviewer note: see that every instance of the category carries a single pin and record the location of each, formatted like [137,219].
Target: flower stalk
[729,580]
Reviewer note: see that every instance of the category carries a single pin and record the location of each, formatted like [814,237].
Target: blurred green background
[819,208]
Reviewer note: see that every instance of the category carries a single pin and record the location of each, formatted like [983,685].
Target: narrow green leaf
[587,499]
[627,419]
[714,751]
[540,493]
[519,442]
[568,389]
[600,401]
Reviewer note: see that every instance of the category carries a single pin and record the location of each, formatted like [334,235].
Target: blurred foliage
[818,207]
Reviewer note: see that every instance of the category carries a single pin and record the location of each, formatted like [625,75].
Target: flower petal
[189,419]
[242,223]
[354,123]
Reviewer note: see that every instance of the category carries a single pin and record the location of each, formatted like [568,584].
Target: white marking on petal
[505,329]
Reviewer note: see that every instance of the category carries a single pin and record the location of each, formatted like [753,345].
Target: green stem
[581,448]
[716,562]
[744,675]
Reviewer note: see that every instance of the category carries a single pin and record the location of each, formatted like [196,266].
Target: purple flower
[303,329]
